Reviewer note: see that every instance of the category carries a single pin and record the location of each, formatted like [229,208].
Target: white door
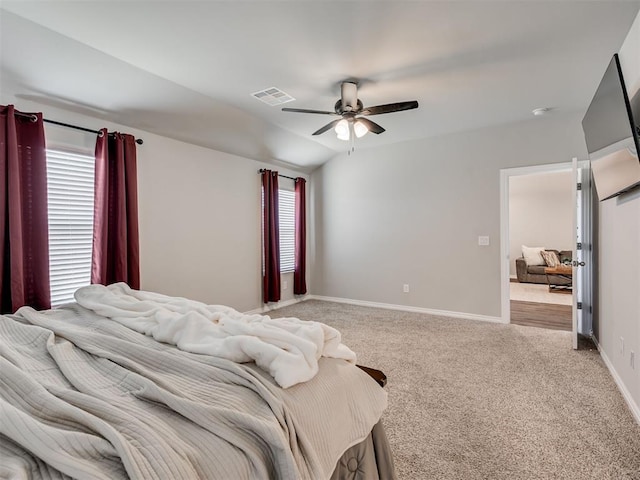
[582,252]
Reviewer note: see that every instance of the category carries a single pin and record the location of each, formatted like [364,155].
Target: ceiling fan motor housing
[340,111]
[349,96]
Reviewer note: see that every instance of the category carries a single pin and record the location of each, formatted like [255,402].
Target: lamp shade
[342,129]
[360,129]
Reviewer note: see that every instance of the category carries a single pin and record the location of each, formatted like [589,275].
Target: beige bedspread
[85,397]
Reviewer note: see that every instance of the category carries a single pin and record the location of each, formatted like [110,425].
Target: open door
[582,252]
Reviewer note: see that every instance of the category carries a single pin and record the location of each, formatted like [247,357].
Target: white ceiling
[186,69]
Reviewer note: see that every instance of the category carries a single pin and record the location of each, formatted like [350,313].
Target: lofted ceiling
[186,70]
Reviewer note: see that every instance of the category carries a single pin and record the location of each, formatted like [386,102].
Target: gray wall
[540,213]
[199,213]
[200,224]
[618,275]
[411,213]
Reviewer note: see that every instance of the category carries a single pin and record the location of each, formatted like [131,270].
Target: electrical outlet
[285,284]
[621,345]
[483,240]
[632,359]
[405,288]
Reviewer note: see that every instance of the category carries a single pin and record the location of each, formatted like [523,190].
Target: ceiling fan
[353,113]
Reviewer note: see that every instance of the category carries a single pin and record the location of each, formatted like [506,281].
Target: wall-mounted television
[612,136]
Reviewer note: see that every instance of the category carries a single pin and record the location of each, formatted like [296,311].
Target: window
[70,195]
[286,219]
[286,212]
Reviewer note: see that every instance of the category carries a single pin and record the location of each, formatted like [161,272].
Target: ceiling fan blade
[371,126]
[349,96]
[328,126]
[304,110]
[389,108]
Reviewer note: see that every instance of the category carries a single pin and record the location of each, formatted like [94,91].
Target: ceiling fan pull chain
[351,138]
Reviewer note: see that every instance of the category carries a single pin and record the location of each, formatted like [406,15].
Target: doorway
[537,219]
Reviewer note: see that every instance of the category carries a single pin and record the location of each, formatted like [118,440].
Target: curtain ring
[33,118]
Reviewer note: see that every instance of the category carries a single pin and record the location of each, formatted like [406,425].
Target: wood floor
[544,315]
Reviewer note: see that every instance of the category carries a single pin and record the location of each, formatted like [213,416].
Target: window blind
[286,210]
[70,188]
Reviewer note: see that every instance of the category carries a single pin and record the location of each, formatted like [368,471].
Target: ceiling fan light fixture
[342,129]
[360,129]
[354,122]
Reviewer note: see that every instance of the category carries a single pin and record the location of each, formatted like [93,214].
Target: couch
[535,273]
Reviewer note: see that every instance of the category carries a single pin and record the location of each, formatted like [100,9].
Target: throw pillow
[550,258]
[532,255]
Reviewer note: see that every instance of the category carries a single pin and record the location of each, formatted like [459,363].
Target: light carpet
[476,400]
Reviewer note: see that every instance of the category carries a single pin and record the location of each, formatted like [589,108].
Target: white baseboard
[406,308]
[275,306]
[633,406]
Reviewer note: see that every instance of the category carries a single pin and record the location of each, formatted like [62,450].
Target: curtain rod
[262,170]
[33,118]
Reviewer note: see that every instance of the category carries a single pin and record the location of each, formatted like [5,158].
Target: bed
[84,396]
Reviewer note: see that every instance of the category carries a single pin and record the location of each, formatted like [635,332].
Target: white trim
[576,282]
[505,173]
[633,406]
[505,295]
[533,169]
[407,308]
[275,306]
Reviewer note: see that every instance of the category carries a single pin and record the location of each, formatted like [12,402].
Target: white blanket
[287,348]
[82,396]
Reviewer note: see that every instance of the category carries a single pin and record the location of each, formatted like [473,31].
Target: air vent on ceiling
[273,96]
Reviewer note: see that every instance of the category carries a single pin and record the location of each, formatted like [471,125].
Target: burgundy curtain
[300,238]
[116,256]
[271,237]
[24,231]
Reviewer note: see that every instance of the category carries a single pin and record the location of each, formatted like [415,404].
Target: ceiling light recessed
[273,96]
[541,111]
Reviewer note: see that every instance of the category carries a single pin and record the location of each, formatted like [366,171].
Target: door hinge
[579,246]
[579,306]
[579,186]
